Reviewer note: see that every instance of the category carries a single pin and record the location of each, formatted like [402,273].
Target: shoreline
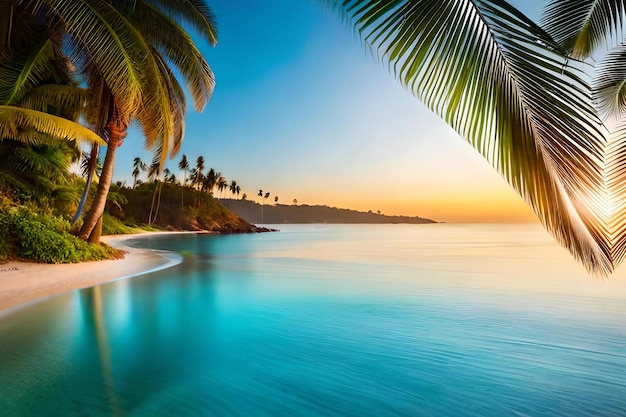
[22,283]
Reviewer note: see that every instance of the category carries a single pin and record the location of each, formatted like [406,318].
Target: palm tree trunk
[93,159]
[117,133]
[96,233]
[157,188]
[182,194]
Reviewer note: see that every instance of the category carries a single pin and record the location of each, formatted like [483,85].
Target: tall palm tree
[154,175]
[222,184]
[126,65]
[154,171]
[138,167]
[184,166]
[233,188]
[198,177]
[505,85]
[260,194]
[211,179]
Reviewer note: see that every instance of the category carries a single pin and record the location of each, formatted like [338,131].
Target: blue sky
[303,111]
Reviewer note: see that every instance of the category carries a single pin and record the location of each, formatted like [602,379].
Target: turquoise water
[330,320]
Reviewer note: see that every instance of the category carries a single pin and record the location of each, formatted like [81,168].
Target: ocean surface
[330,320]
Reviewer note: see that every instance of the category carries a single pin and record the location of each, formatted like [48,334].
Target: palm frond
[580,26]
[494,77]
[194,13]
[174,43]
[160,117]
[22,125]
[25,71]
[610,83]
[69,101]
[98,30]
[41,162]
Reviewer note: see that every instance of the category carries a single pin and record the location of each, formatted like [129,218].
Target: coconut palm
[198,177]
[154,171]
[233,188]
[184,166]
[210,180]
[275,199]
[126,64]
[221,184]
[260,194]
[506,86]
[138,167]
[154,174]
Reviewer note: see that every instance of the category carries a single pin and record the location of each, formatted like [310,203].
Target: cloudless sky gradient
[303,111]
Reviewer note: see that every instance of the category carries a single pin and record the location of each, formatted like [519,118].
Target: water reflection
[92,308]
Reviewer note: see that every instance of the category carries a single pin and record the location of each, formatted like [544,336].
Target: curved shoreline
[22,283]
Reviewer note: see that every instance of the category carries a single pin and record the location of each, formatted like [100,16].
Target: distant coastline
[256,213]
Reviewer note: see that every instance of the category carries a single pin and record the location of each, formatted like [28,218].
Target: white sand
[22,282]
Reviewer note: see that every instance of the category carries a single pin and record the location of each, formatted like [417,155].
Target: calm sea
[330,320]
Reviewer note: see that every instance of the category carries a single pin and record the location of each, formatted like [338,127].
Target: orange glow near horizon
[496,207]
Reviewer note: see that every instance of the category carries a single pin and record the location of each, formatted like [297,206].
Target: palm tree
[198,177]
[260,194]
[244,196]
[233,188]
[154,174]
[154,171]
[125,64]
[505,85]
[222,184]
[266,196]
[275,199]
[295,201]
[138,167]
[184,166]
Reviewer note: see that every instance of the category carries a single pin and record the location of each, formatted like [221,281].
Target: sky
[303,111]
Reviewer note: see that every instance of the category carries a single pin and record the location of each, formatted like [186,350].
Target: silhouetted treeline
[283,213]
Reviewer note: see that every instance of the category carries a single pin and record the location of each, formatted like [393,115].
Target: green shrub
[43,238]
[114,226]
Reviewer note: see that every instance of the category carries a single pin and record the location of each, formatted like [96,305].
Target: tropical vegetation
[83,70]
[125,55]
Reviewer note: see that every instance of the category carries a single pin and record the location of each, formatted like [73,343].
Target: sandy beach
[22,282]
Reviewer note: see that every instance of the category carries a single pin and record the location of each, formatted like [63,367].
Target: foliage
[43,238]
[112,225]
[200,210]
